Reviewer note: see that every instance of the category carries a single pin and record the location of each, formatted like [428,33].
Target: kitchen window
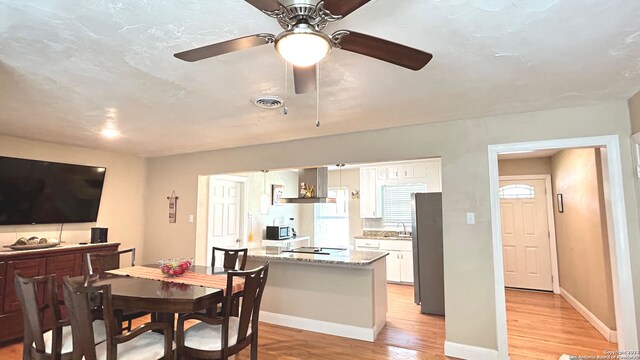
[332,226]
[396,203]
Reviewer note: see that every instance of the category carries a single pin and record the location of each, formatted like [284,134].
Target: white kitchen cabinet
[407,171]
[370,199]
[406,267]
[423,171]
[433,176]
[393,266]
[367,244]
[399,261]
[393,172]
[420,170]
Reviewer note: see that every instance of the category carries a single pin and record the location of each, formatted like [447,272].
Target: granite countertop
[6,252]
[383,237]
[346,257]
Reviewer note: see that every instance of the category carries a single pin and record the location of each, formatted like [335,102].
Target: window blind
[396,205]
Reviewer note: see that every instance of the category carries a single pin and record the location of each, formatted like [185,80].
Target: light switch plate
[191,218]
[471,218]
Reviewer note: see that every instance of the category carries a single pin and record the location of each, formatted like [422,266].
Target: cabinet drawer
[27,268]
[367,243]
[3,270]
[63,265]
[396,245]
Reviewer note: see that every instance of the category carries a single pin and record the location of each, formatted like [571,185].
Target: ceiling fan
[303,44]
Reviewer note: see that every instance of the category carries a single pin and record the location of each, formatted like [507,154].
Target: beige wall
[634,110]
[515,167]
[581,231]
[469,278]
[121,205]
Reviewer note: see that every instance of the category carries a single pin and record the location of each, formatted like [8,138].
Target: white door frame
[243,212]
[550,221]
[620,259]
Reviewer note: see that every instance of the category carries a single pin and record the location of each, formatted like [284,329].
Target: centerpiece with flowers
[175,267]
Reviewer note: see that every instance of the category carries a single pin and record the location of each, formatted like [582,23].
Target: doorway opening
[557,274]
[617,231]
[226,223]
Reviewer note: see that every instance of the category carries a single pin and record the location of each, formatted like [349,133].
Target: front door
[525,234]
[224,214]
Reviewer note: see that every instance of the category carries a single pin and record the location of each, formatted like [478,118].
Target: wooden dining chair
[141,343]
[232,259]
[99,262]
[222,336]
[38,299]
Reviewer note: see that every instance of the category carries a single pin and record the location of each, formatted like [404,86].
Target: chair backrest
[80,302]
[29,292]
[99,262]
[254,283]
[230,258]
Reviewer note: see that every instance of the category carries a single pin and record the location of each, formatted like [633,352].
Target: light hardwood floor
[540,326]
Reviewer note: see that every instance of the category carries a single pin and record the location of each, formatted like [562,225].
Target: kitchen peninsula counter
[343,293]
[346,257]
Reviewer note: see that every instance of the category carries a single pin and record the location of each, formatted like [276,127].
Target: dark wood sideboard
[62,260]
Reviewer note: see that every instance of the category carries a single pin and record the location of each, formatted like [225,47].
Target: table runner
[189,278]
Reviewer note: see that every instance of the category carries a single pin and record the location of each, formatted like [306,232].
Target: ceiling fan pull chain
[285,110]
[318,95]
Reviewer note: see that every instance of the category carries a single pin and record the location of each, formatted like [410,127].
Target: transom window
[517,191]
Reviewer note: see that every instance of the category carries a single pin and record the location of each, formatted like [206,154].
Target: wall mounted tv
[43,192]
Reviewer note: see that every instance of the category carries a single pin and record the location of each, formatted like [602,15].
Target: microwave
[279,232]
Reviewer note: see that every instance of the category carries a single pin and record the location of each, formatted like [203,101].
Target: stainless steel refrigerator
[428,268]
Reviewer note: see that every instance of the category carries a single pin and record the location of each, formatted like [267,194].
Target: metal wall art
[173,203]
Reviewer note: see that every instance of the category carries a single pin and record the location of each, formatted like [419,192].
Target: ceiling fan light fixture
[303,46]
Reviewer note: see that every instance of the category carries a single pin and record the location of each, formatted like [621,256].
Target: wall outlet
[471,218]
[191,218]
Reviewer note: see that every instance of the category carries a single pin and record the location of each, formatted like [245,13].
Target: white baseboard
[462,351]
[608,334]
[324,327]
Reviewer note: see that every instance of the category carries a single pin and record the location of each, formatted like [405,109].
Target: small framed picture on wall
[277,193]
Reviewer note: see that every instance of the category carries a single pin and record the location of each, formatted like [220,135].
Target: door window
[517,191]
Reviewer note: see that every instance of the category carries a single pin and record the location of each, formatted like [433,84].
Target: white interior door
[225,204]
[525,234]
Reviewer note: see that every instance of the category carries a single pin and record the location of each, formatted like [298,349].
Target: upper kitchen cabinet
[429,171]
[423,172]
[370,199]
[373,179]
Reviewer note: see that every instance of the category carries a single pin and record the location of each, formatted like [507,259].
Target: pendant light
[264,198]
[341,200]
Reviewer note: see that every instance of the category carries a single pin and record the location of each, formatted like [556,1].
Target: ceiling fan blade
[304,78]
[384,50]
[265,5]
[343,7]
[224,47]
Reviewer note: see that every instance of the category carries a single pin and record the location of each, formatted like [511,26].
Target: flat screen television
[44,192]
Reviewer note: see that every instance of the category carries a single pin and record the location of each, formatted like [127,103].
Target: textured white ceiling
[63,63]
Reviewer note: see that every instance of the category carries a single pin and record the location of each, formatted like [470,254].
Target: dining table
[139,288]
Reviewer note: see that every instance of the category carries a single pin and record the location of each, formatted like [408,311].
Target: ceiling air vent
[268,102]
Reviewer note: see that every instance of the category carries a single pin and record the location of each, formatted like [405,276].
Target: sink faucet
[404,229]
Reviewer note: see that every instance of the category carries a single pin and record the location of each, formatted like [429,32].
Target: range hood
[319,179]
